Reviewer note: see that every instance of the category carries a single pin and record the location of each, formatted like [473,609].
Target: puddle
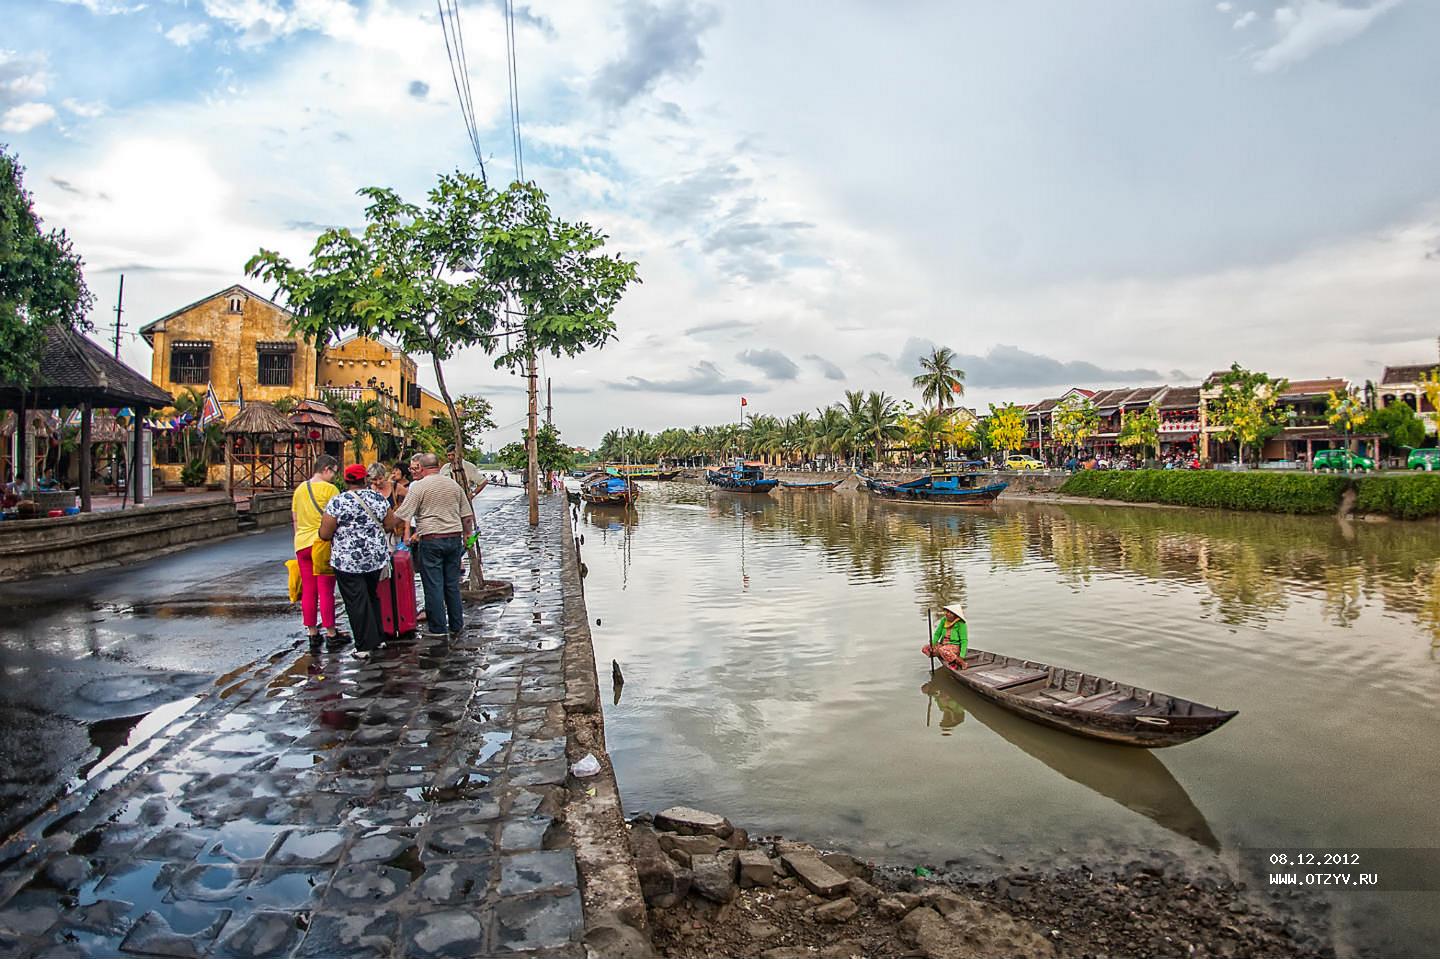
[490,745]
[115,738]
[238,842]
[250,743]
[297,761]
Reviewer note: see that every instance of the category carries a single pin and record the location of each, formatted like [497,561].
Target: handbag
[320,551]
[292,568]
[388,567]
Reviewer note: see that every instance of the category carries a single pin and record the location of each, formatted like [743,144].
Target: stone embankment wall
[270,509]
[64,544]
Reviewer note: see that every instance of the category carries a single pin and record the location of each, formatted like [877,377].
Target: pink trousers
[315,590]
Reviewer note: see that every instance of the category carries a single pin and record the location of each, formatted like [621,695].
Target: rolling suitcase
[398,592]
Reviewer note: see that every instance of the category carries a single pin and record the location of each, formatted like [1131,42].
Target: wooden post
[85,412]
[21,451]
[229,466]
[135,456]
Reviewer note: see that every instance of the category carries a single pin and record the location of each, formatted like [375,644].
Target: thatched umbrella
[255,422]
[316,425]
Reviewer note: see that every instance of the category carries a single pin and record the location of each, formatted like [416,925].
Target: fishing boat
[1086,704]
[957,483]
[822,487]
[671,474]
[634,470]
[602,489]
[741,477]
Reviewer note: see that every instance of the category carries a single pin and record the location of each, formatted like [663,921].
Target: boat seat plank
[1100,701]
[1004,677]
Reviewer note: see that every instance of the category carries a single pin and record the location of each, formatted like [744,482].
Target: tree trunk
[477,573]
[532,454]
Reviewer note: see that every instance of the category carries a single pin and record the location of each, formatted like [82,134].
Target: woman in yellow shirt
[317,591]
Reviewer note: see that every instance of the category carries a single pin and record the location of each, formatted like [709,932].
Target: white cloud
[185,34]
[105,8]
[1224,7]
[87,110]
[1312,25]
[1245,19]
[22,77]
[260,21]
[26,116]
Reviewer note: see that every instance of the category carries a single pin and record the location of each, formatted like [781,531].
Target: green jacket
[956,635]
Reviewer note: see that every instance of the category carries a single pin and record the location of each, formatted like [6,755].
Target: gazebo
[74,371]
[317,431]
[254,441]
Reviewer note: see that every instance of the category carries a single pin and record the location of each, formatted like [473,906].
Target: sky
[1101,194]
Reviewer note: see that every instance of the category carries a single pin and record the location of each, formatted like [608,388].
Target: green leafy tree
[1141,428]
[1005,428]
[42,283]
[1430,389]
[476,418]
[880,422]
[1246,408]
[553,455]
[1399,425]
[927,431]
[939,382]
[360,419]
[964,431]
[1075,420]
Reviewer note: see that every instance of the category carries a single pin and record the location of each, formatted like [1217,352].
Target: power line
[464,67]
[459,74]
[510,59]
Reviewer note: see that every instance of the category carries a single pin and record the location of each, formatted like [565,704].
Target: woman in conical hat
[951,637]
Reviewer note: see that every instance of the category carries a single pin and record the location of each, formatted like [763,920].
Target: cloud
[1011,367]
[87,110]
[26,116]
[772,363]
[105,8]
[418,89]
[753,249]
[1245,19]
[1308,26]
[186,34]
[659,42]
[830,370]
[720,326]
[22,78]
[260,21]
[1224,7]
[908,362]
[705,379]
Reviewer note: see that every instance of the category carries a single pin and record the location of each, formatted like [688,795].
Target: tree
[359,419]
[964,432]
[927,431]
[1245,410]
[879,421]
[553,456]
[1430,389]
[474,267]
[42,283]
[1006,427]
[830,430]
[1141,428]
[1075,420]
[1399,425]
[476,417]
[939,382]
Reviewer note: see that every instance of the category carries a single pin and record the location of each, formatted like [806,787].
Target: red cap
[355,472]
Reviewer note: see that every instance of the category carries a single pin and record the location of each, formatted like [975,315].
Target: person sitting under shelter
[951,637]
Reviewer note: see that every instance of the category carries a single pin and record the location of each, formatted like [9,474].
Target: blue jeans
[439,562]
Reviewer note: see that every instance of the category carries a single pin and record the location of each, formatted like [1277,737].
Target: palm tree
[797,434]
[880,421]
[829,433]
[191,401]
[358,418]
[940,382]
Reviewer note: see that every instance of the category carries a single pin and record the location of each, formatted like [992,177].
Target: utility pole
[532,454]
[548,407]
[119,309]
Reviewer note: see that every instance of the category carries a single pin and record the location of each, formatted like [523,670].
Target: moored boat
[634,470]
[741,477]
[1086,704]
[602,489]
[954,484]
[823,487]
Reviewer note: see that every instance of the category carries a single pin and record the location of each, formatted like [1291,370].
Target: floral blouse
[359,544]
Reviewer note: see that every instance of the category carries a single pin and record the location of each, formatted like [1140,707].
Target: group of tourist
[347,538]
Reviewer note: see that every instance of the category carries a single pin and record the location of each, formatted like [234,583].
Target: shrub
[1265,492]
[193,473]
[1404,497]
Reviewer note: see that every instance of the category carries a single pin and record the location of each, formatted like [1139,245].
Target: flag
[744,401]
[74,418]
[211,410]
[956,387]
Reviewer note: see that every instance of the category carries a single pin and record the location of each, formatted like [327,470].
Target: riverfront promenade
[319,806]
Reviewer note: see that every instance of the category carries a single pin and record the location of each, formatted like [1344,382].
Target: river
[771,652]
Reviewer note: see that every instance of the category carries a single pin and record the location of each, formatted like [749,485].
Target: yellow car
[1023,463]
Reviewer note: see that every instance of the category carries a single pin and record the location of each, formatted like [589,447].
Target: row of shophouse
[1187,430]
[239,344]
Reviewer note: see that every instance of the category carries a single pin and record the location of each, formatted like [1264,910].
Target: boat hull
[812,487]
[971,496]
[1097,708]
[737,486]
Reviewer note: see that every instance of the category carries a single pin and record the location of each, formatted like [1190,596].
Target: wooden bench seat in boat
[1007,677]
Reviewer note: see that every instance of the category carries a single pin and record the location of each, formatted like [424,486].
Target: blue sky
[1097,194]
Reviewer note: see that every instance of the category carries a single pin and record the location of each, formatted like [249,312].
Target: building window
[277,363]
[237,304]
[190,363]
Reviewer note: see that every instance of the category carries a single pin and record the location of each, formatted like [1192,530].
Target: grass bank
[1403,497]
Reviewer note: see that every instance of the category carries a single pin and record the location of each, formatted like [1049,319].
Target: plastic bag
[293,566]
[587,766]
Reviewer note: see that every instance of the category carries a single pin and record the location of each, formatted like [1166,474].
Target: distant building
[1401,384]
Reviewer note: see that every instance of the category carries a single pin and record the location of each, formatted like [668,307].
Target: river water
[771,653]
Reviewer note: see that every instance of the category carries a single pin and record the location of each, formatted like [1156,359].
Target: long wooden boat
[634,470]
[950,486]
[823,487]
[741,478]
[602,489]
[1086,704]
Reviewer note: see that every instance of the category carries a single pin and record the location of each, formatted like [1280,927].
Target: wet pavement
[320,806]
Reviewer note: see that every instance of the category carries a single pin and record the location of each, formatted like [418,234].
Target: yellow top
[307,517]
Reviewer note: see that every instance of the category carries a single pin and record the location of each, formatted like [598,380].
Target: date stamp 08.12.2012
[1382,869]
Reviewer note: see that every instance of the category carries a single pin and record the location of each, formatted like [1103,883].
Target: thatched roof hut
[312,417]
[259,419]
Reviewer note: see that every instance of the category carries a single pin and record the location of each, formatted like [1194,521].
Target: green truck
[1341,461]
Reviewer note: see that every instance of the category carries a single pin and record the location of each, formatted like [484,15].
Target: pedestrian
[443,520]
[399,484]
[356,522]
[317,590]
[464,472]
[951,638]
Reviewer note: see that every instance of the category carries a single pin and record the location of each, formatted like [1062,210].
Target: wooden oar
[930,626]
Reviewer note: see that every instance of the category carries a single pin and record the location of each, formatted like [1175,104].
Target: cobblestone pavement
[319,806]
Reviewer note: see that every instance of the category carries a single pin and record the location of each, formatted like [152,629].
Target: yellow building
[241,344]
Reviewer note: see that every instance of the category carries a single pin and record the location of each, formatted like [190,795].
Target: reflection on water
[771,648]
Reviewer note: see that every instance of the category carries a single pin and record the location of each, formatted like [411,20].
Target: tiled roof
[1110,399]
[74,370]
[1044,406]
[150,327]
[1316,387]
[1144,395]
[1406,374]
[1181,398]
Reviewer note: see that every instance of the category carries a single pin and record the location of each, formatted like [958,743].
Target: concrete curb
[616,923]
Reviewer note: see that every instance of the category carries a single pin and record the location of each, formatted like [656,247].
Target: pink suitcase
[400,586]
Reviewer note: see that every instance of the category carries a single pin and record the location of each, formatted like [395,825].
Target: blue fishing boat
[602,489]
[741,477]
[954,484]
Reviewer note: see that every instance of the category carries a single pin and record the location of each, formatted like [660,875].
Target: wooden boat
[1085,704]
[672,474]
[954,484]
[741,477]
[602,489]
[812,487]
[634,470]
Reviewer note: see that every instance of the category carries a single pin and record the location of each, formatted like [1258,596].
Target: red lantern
[239,442]
[314,434]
